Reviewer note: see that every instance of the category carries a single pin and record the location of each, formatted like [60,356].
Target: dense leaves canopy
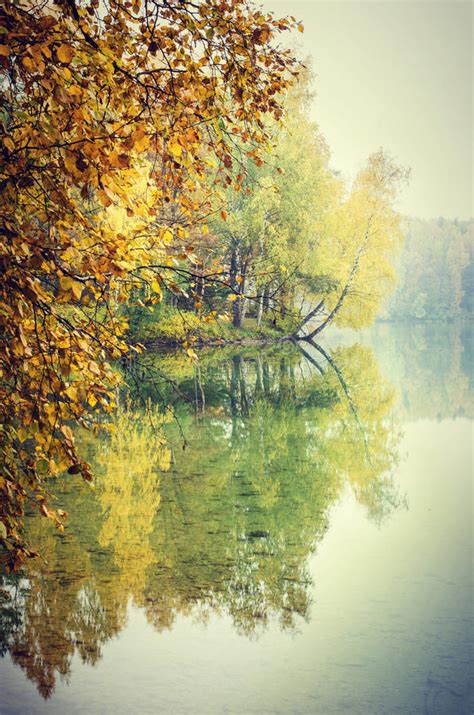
[108,109]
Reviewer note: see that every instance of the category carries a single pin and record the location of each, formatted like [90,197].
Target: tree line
[290,243]
[435,272]
[151,152]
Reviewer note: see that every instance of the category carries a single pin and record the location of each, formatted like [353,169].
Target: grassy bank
[172,327]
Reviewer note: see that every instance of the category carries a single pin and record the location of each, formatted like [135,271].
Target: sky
[398,75]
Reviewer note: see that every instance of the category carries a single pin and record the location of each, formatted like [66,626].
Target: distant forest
[435,272]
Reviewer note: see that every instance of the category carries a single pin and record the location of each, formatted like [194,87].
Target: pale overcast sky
[396,75]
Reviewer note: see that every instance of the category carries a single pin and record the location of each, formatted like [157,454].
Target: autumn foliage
[106,107]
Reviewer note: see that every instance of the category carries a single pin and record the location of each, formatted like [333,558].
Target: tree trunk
[199,292]
[340,301]
[235,287]
[236,314]
[243,310]
[350,401]
[266,298]
[240,307]
[266,379]
[260,310]
[199,387]
[234,383]
[310,315]
[258,375]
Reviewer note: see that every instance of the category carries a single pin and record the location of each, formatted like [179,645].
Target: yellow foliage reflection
[130,465]
[226,526]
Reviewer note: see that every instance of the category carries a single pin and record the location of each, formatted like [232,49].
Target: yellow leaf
[67,432]
[232,297]
[140,140]
[68,286]
[174,148]
[28,64]
[70,162]
[4,51]
[155,286]
[76,289]
[119,161]
[64,53]
[105,199]
[9,143]
[22,434]
[71,392]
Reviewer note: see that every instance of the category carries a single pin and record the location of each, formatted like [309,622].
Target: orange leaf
[67,432]
[64,53]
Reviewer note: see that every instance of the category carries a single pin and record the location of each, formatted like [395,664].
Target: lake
[272,530]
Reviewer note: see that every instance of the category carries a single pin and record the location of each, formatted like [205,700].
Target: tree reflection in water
[225,526]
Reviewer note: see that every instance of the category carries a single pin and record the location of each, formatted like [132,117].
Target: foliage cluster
[111,115]
[293,235]
[144,161]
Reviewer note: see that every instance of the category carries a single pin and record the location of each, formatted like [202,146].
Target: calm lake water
[308,551]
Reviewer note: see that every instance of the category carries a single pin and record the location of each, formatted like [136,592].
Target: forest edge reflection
[231,533]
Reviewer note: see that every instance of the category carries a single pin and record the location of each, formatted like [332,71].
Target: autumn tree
[362,236]
[107,108]
[275,218]
[290,234]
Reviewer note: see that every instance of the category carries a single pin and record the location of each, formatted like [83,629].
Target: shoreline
[216,342]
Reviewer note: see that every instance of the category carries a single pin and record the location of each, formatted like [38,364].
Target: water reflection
[430,364]
[225,525]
